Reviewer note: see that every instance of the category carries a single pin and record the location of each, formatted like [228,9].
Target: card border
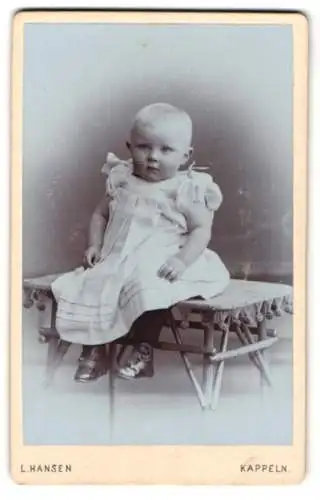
[164,464]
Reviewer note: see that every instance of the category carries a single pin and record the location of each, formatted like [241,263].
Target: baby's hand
[92,255]
[172,270]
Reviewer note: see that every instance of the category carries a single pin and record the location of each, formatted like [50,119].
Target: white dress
[146,226]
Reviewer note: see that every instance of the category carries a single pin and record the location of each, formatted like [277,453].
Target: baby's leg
[148,326]
[145,331]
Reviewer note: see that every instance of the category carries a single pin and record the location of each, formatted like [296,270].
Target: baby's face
[159,149]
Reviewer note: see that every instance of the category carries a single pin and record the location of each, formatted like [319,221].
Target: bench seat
[243,308]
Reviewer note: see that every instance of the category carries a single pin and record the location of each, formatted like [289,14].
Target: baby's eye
[167,149]
[142,146]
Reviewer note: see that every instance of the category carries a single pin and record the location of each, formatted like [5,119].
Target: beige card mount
[227,401]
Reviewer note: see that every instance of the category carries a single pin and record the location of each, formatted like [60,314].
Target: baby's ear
[189,154]
[128,145]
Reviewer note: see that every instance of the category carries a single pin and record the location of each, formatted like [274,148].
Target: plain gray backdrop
[83,84]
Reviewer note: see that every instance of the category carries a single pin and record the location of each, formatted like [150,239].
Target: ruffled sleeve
[199,189]
[117,172]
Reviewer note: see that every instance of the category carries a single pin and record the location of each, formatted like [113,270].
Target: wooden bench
[243,309]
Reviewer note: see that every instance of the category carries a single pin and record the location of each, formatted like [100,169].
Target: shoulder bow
[113,161]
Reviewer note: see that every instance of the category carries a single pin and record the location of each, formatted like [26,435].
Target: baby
[147,249]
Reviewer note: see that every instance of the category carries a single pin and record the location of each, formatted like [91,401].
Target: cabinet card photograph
[158,300]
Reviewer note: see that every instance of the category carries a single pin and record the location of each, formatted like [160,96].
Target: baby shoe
[92,364]
[140,363]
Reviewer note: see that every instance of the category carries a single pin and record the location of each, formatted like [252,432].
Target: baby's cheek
[138,165]
[172,170]
[137,157]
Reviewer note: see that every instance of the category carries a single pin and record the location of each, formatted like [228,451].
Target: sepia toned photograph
[157,176]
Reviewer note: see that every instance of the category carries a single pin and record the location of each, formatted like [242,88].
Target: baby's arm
[97,228]
[199,221]
[199,225]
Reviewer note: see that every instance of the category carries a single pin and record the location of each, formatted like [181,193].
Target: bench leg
[42,338]
[219,371]
[57,349]
[187,364]
[51,356]
[208,366]
[265,375]
[112,348]
[262,335]
[254,357]
[39,299]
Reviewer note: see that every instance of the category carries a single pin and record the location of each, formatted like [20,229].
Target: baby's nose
[154,154]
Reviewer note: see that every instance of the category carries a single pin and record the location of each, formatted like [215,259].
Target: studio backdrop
[82,86]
